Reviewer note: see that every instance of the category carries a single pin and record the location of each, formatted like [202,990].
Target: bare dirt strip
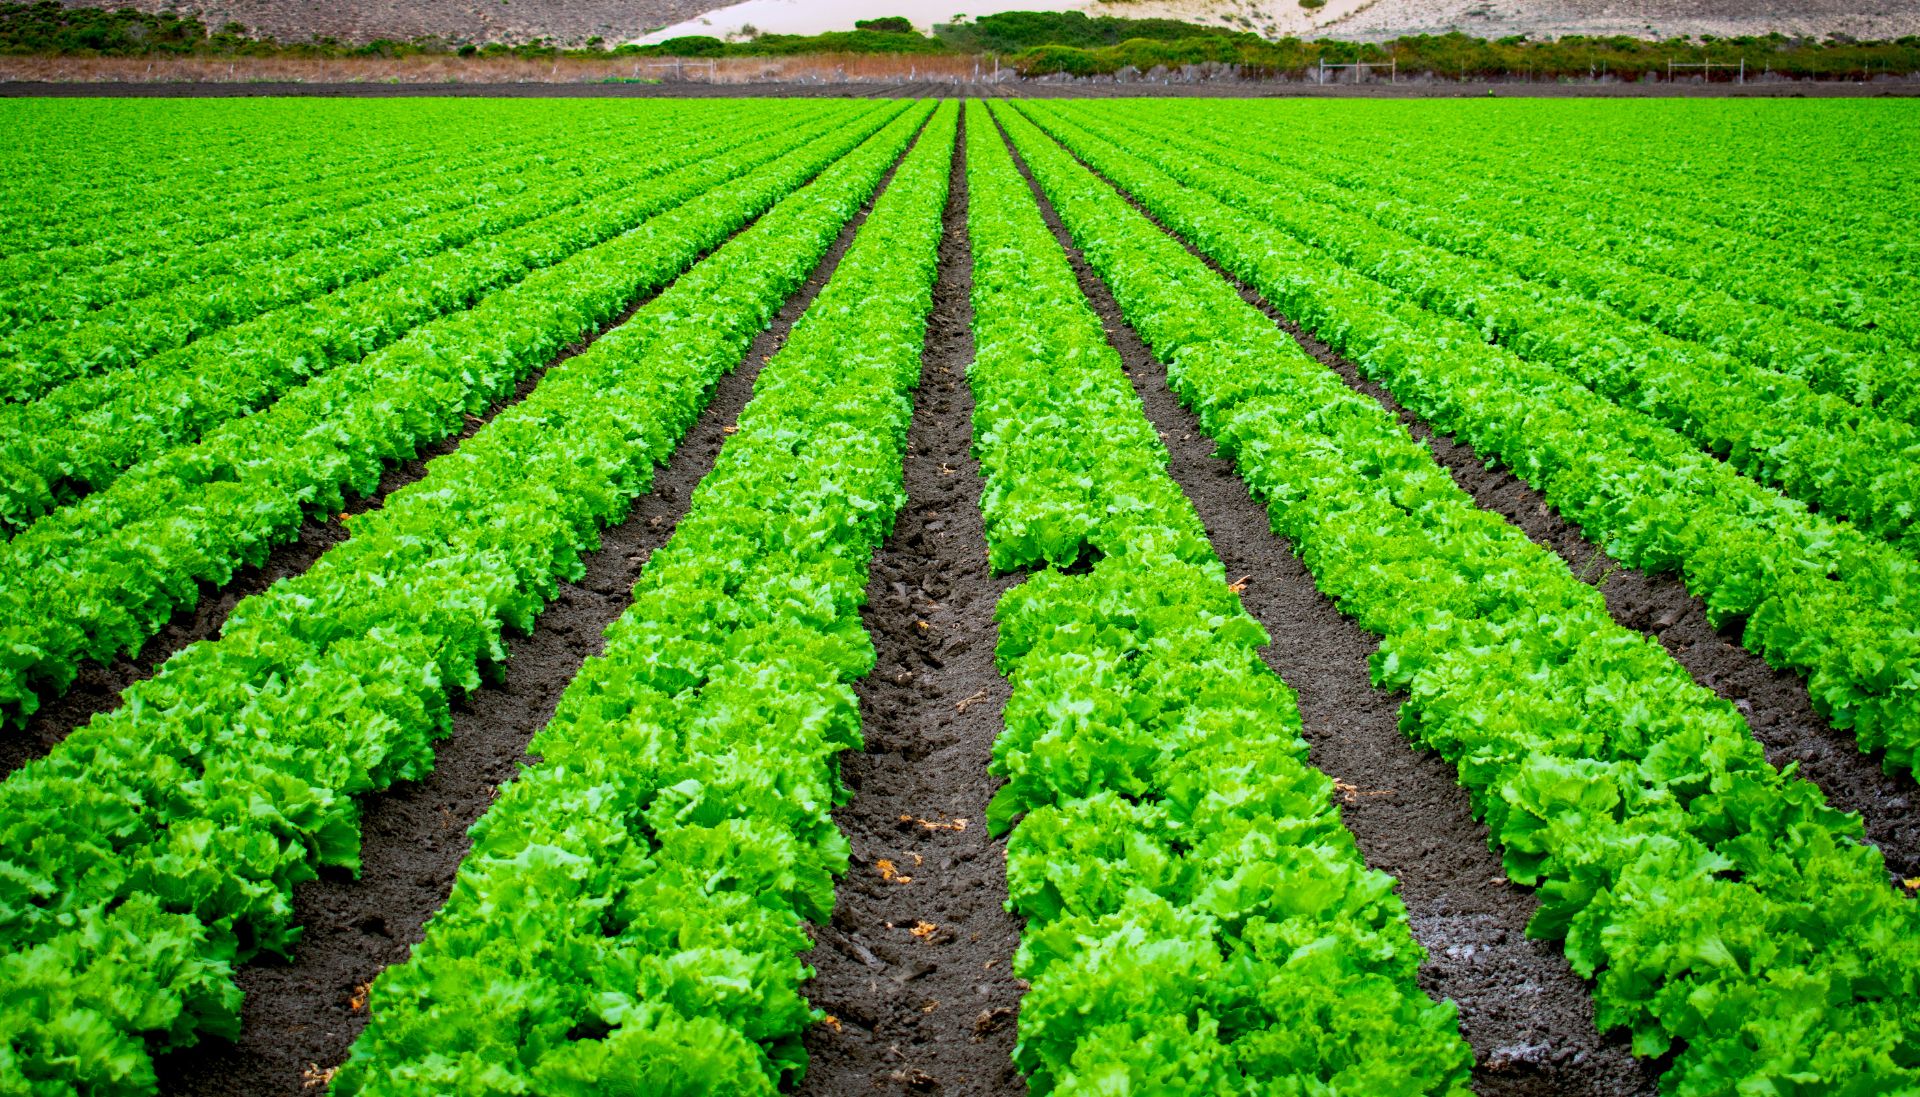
[97,687]
[1774,702]
[1527,1016]
[301,1016]
[914,968]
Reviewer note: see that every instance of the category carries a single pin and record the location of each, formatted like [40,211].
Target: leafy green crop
[105,573]
[1852,462]
[1528,228]
[160,843]
[81,436]
[1817,596]
[318,207]
[1199,921]
[109,319]
[631,907]
[1727,914]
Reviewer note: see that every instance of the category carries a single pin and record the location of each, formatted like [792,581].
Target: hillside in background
[574,22]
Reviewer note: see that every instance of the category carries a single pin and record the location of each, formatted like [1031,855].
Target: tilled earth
[914,969]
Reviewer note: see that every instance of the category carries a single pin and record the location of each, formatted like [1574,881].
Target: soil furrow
[97,687]
[301,1016]
[1775,703]
[1527,1016]
[914,969]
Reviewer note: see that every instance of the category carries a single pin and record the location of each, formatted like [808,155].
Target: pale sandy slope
[571,22]
[1367,18]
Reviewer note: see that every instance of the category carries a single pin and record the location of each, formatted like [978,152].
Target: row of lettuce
[1817,596]
[632,906]
[1661,259]
[82,426]
[1811,227]
[158,845]
[1730,918]
[181,222]
[207,168]
[91,318]
[103,574]
[81,436]
[1199,921]
[1854,463]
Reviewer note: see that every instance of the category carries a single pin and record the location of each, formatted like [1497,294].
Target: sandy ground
[1362,18]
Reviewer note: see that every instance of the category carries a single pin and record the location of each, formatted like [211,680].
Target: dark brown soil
[1527,1016]
[301,1016]
[1774,702]
[929,1014]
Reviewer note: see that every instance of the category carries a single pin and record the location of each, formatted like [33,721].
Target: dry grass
[816,68]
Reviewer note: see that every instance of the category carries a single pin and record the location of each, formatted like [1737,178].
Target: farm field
[1021,596]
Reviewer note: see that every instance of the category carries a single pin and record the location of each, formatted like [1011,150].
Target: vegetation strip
[642,888]
[1527,1016]
[1730,917]
[1550,241]
[159,844]
[1814,596]
[131,290]
[121,216]
[1854,464]
[1773,703]
[124,559]
[83,436]
[300,1017]
[1192,897]
[415,253]
[934,1008]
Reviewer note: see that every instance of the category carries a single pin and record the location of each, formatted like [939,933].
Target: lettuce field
[1057,596]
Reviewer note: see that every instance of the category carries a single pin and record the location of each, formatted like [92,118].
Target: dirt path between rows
[302,1016]
[1527,1016]
[97,687]
[915,967]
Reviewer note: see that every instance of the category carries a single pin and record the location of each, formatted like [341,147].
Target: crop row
[1852,463]
[1729,915]
[1812,225]
[196,189]
[102,575]
[136,315]
[80,437]
[173,210]
[1190,892]
[381,194]
[1816,596]
[159,844]
[1545,241]
[632,905]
